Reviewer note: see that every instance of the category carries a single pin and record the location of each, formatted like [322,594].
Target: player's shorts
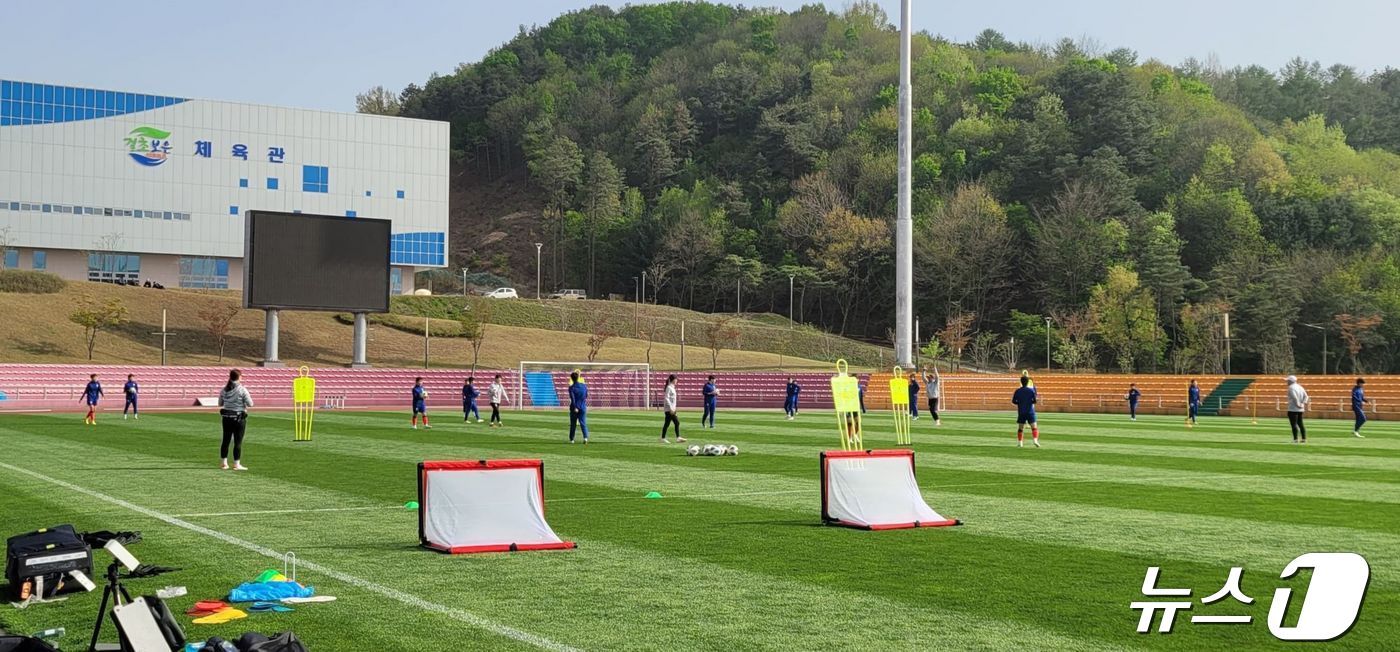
[1022,419]
[420,408]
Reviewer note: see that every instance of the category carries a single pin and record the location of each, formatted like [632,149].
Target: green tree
[1213,224]
[377,101]
[600,197]
[1076,240]
[962,253]
[1125,316]
[655,157]
[556,167]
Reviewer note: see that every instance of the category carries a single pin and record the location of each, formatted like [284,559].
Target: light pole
[738,299]
[636,291]
[1047,344]
[644,285]
[1322,328]
[791,323]
[904,224]
[538,246]
[464,282]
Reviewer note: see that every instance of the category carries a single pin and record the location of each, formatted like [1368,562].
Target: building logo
[148,146]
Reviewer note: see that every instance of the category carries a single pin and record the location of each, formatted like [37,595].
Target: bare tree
[650,334]
[473,322]
[602,331]
[956,334]
[1357,331]
[718,335]
[96,318]
[218,321]
[1010,352]
[5,237]
[981,348]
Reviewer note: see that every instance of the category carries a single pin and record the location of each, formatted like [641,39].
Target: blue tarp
[269,591]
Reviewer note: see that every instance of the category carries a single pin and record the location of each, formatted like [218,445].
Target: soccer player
[933,389]
[497,395]
[1193,403]
[1297,404]
[578,407]
[1024,400]
[420,403]
[469,395]
[790,403]
[234,402]
[861,387]
[913,398]
[91,394]
[1358,406]
[1133,397]
[129,390]
[670,409]
[711,395]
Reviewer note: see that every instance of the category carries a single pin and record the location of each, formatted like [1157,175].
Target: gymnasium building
[114,186]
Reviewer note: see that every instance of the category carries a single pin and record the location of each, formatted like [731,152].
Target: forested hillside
[1132,202]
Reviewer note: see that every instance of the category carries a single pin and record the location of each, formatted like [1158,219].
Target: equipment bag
[49,553]
[283,642]
[12,643]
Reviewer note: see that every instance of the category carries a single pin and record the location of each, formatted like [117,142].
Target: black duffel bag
[49,553]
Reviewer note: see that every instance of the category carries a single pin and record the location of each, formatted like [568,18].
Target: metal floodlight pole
[644,285]
[538,246]
[904,223]
[464,281]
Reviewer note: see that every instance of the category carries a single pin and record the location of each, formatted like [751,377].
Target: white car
[569,294]
[502,293]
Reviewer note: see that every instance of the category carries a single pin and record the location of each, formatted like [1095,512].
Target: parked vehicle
[569,294]
[502,293]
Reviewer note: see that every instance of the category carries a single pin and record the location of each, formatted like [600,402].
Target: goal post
[625,385]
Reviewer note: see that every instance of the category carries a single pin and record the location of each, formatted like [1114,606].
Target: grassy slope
[36,329]
[1054,548]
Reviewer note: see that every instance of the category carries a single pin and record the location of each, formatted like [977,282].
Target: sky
[320,53]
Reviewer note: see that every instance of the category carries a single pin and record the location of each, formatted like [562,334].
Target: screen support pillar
[361,335]
[270,358]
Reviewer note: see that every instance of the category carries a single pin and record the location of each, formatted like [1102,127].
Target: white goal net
[610,384]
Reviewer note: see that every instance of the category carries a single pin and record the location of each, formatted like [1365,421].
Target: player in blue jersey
[420,403]
[711,395]
[1024,400]
[1358,406]
[469,395]
[91,393]
[1193,403]
[578,407]
[913,398]
[1132,398]
[130,390]
[790,403]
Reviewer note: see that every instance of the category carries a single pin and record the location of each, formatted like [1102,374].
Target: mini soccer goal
[874,490]
[484,506]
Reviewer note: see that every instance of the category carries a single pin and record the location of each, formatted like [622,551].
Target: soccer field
[1055,544]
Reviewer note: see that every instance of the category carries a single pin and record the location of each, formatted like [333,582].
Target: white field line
[290,511]
[455,613]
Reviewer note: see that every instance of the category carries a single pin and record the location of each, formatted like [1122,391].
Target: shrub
[27,282]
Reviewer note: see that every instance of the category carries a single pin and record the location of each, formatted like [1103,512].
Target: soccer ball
[692,451]
[732,450]
[711,449]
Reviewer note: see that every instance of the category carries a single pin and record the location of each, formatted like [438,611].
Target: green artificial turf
[1055,544]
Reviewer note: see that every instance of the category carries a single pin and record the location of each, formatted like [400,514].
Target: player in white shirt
[670,408]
